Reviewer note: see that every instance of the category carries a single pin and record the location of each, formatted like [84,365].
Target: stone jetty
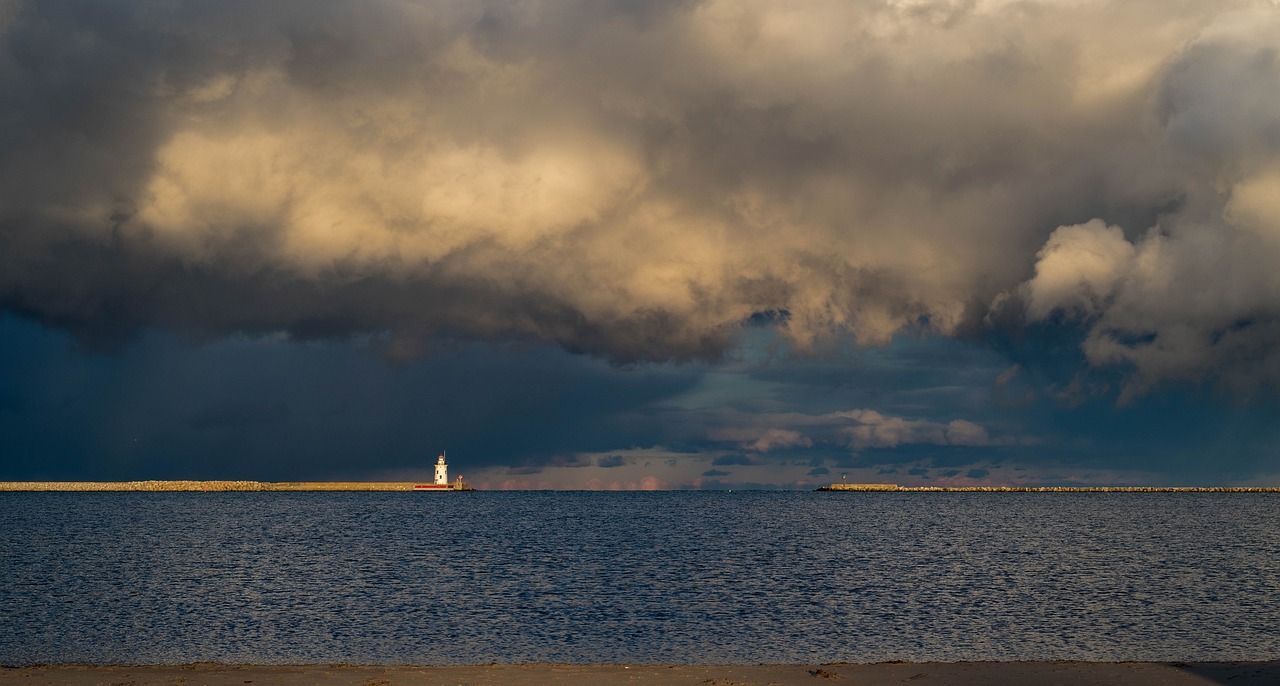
[1051,489]
[206,486]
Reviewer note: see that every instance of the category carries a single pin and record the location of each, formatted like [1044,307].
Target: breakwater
[200,486]
[1050,489]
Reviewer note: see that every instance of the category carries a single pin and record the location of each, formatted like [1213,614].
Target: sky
[641,244]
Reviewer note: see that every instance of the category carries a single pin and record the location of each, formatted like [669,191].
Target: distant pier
[861,487]
[1051,489]
[211,486]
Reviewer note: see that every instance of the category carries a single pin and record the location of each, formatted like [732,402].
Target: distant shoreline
[175,486]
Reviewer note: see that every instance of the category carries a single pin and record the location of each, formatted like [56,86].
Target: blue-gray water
[677,577]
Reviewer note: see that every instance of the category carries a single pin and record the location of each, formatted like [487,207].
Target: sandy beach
[918,674]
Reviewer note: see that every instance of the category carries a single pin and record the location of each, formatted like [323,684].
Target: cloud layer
[638,180]
[1196,295]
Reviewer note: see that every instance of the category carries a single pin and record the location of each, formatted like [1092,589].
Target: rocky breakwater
[201,486]
[861,487]
[1050,489]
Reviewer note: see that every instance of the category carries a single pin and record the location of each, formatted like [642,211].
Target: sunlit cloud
[642,188]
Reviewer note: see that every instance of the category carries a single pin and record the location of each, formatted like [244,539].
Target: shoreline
[1045,673]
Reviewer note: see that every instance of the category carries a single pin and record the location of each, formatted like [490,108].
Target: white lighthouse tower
[442,471]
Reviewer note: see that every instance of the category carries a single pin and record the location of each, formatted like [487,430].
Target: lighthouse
[441,482]
[442,471]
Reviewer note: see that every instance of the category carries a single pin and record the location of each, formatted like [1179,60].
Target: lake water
[680,577]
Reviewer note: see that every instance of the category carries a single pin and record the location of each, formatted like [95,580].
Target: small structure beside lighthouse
[441,482]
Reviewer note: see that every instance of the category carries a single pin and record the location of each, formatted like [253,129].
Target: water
[677,577]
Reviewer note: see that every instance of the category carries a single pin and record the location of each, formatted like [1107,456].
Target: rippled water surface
[636,577]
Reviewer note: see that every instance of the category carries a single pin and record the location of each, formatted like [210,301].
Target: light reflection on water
[680,577]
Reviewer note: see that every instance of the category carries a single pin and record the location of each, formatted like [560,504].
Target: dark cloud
[1027,215]
[238,415]
[634,179]
[611,461]
[572,460]
[264,409]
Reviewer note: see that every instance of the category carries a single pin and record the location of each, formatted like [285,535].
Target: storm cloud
[643,181]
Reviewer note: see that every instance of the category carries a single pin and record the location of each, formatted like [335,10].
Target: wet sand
[919,674]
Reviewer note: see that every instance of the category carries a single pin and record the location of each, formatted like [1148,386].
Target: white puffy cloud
[1196,296]
[872,429]
[1078,269]
[1254,205]
[763,440]
[857,429]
